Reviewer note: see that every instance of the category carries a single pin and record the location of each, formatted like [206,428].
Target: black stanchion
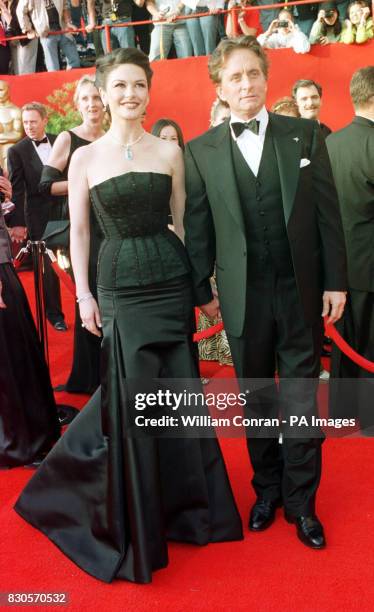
[38,250]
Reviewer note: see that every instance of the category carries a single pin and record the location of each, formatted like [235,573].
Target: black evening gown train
[110,501]
[29,423]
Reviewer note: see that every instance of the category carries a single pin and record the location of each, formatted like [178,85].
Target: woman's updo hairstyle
[107,63]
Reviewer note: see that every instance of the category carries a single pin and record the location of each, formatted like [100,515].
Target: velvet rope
[330,330]
[361,361]
[64,277]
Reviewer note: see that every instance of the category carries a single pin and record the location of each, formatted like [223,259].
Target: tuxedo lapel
[34,159]
[288,146]
[222,168]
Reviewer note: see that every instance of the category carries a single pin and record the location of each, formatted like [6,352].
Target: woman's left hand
[6,187]
[2,303]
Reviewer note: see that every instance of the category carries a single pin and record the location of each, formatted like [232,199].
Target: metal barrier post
[108,41]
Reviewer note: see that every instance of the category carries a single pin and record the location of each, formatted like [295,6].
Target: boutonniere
[296,139]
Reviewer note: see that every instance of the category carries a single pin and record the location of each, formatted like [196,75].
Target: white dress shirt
[251,145]
[43,150]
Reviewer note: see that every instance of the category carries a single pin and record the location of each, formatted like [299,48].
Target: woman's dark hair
[362,3]
[336,28]
[107,63]
[161,123]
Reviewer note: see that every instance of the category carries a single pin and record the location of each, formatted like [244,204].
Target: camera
[283,24]
[329,13]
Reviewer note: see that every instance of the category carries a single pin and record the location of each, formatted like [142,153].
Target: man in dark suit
[262,207]
[351,153]
[308,97]
[34,210]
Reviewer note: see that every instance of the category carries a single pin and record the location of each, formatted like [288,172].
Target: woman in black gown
[85,372]
[29,424]
[108,499]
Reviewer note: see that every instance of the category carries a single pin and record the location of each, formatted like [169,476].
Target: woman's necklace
[129,155]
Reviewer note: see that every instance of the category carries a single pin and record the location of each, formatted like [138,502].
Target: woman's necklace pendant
[128,153]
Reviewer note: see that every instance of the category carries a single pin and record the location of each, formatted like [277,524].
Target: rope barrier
[358,359]
[330,330]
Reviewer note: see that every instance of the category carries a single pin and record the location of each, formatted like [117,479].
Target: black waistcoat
[268,248]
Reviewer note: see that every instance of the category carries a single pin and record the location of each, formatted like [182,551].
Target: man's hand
[2,303]
[17,234]
[6,187]
[211,309]
[171,16]
[333,305]
[273,27]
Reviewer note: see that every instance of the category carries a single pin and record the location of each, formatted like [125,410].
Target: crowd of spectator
[170,35]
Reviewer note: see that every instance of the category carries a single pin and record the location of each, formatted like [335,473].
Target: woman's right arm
[79,209]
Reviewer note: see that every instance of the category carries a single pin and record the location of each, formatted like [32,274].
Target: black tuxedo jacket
[215,231]
[25,168]
[351,153]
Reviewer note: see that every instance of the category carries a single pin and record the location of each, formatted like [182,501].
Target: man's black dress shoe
[60,326]
[262,514]
[309,530]
[33,465]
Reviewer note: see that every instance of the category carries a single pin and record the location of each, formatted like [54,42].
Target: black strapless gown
[109,501]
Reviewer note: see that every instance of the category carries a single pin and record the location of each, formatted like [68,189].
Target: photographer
[327,27]
[284,33]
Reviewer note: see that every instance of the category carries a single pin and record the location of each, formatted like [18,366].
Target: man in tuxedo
[351,153]
[34,210]
[308,97]
[262,207]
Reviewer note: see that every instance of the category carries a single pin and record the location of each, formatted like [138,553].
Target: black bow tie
[39,142]
[238,128]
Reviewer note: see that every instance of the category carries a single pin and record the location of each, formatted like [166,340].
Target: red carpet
[265,572]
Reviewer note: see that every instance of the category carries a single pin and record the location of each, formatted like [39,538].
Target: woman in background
[85,372]
[285,106]
[327,27]
[359,27]
[215,348]
[218,113]
[167,129]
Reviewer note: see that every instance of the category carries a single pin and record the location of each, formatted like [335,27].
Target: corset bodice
[133,211]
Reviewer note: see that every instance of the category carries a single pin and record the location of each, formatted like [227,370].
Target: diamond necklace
[129,155]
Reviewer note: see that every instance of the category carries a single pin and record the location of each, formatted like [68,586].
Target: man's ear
[219,93]
[103,96]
